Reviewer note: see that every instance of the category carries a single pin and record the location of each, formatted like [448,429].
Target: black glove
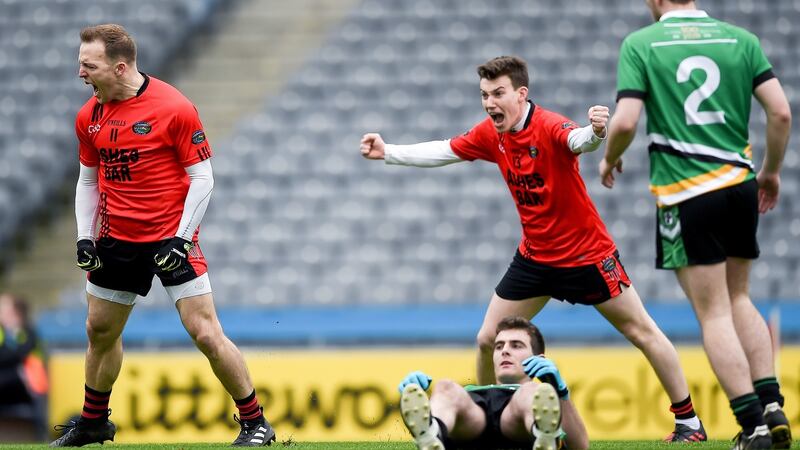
[173,254]
[87,256]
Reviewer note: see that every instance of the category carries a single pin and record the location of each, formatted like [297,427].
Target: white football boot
[546,409]
[416,411]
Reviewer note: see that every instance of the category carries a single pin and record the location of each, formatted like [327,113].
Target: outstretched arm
[620,135]
[779,122]
[425,154]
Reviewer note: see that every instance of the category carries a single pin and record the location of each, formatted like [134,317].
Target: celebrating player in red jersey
[145,173]
[565,252]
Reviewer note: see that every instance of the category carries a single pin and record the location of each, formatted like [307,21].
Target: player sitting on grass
[514,413]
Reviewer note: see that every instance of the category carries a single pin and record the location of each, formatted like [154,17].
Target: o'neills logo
[142,127]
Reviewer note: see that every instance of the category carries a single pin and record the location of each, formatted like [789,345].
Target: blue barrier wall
[561,324]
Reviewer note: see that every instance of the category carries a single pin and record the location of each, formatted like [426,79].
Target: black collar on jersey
[144,85]
[530,115]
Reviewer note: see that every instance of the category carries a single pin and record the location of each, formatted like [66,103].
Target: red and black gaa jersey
[560,225]
[141,147]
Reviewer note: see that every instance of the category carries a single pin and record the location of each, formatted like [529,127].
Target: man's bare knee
[521,398]
[445,387]
[208,339]
[640,333]
[448,391]
[101,334]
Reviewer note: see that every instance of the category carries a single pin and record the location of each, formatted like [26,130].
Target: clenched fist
[598,117]
[372,146]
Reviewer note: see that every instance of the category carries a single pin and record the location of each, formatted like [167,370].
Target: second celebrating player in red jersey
[145,182]
[565,252]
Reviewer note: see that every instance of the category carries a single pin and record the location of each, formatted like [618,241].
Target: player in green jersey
[514,413]
[695,77]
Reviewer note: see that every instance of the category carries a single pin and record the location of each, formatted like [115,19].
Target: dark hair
[681,2]
[520,323]
[118,43]
[513,66]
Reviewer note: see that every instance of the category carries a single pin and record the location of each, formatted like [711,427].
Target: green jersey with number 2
[696,76]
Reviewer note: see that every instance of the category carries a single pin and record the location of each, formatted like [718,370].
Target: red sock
[95,404]
[249,409]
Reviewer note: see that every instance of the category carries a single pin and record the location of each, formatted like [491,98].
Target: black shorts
[492,400]
[709,228]
[130,266]
[587,285]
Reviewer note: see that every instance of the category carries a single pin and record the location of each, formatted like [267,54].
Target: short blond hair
[116,39]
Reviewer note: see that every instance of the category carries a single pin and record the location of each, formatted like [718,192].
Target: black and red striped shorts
[586,285]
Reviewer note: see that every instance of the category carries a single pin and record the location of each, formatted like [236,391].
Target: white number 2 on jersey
[706,90]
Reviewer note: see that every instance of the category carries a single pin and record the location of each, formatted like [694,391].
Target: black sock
[442,431]
[683,409]
[95,405]
[749,412]
[768,391]
[248,407]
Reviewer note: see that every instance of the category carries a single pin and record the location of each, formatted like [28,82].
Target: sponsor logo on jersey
[93,128]
[533,151]
[566,125]
[142,127]
[198,137]
[116,123]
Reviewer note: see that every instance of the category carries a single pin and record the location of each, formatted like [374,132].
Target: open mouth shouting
[497,118]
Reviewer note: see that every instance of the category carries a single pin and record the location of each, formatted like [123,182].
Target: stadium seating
[299,218]
[41,92]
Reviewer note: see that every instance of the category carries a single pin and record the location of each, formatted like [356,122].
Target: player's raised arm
[588,139]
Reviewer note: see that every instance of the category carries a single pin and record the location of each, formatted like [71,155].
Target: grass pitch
[595,445]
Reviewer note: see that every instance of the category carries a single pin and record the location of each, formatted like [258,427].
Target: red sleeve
[188,136]
[558,127]
[474,144]
[87,153]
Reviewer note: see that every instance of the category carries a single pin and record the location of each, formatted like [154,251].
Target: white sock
[433,429]
[693,423]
